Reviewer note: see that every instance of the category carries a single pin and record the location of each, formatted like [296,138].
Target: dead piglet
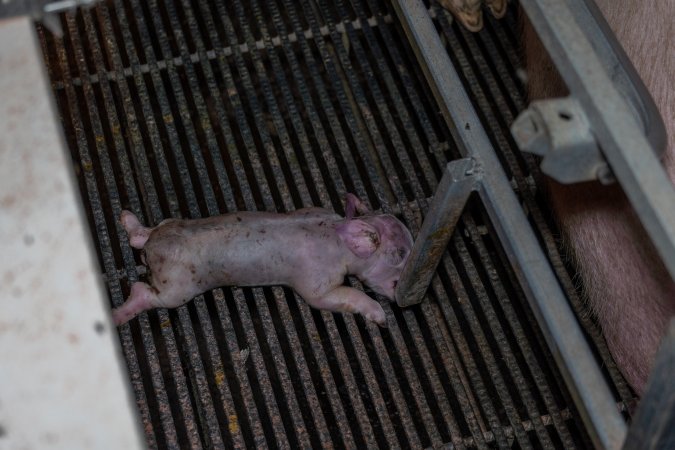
[311,250]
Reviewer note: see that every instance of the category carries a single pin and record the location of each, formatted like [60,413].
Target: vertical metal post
[459,180]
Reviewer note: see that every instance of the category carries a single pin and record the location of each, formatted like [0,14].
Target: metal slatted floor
[191,108]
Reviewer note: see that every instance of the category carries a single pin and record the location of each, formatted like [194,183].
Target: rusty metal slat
[246,392]
[504,349]
[126,338]
[94,198]
[505,38]
[486,353]
[249,97]
[521,340]
[477,384]
[328,378]
[450,361]
[411,378]
[428,371]
[376,152]
[319,132]
[375,173]
[405,75]
[421,349]
[321,427]
[279,125]
[384,71]
[295,117]
[502,75]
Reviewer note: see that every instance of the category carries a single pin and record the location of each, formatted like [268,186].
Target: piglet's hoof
[378,316]
[469,13]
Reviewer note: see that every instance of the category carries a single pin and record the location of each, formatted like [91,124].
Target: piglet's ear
[354,205]
[360,237]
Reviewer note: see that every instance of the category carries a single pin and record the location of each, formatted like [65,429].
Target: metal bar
[561,329]
[511,155]
[652,426]
[401,66]
[476,385]
[170,437]
[516,328]
[71,112]
[458,384]
[458,182]
[618,132]
[504,350]
[398,118]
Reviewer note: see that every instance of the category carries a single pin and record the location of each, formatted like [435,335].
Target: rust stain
[165,324]
[233,424]
[220,377]
[168,118]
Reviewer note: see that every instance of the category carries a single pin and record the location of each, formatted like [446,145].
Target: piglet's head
[380,243]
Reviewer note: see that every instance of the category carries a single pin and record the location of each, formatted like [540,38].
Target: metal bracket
[559,131]
[45,11]
[459,180]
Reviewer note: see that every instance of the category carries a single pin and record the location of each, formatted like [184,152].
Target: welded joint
[460,179]
[559,131]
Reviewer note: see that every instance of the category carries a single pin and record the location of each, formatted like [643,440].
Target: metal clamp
[559,131]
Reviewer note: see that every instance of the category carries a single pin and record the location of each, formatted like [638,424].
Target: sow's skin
[311,250]
[627,287]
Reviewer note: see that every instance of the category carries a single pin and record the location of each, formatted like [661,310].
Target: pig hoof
[497,7]
[378,316]
[466,12]
[142,298]
[138,234]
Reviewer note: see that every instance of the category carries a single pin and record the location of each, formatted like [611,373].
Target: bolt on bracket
[559,131]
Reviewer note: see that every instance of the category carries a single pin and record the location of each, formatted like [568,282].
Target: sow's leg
[626,285]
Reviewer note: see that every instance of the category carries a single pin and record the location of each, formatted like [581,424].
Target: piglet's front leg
[350,300]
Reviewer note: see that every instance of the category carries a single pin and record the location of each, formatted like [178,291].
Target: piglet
[311,250]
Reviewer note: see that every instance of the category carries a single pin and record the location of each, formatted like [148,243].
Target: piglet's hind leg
[138,234]
[142,298]
[347,299]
